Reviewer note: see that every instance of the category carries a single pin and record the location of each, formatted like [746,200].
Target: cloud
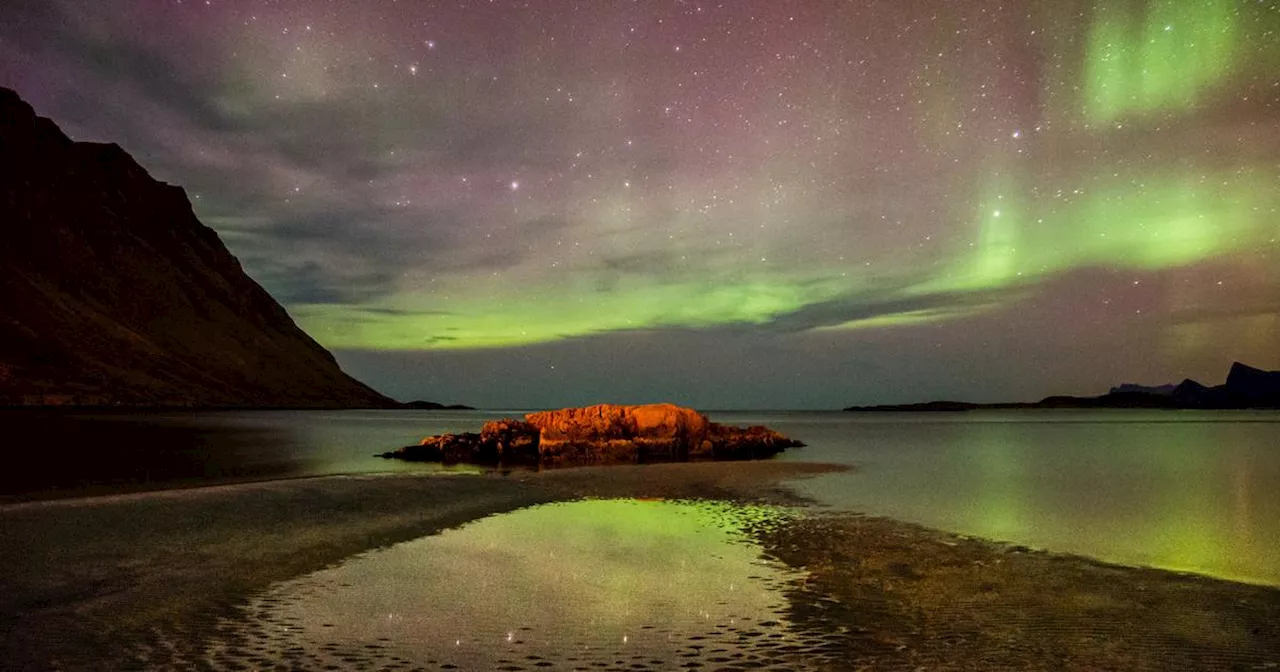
[399,312]
[855,308]
[335,257]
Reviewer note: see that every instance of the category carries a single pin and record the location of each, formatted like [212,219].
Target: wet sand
[891,595]
[143,580]
[99,583]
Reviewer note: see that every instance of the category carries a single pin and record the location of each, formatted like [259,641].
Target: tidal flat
[674,566]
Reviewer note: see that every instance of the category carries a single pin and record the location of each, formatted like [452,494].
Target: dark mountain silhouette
[1246,387]
[1191,394]
[1253,387]
[113,293]
[420,405]
[1164,390]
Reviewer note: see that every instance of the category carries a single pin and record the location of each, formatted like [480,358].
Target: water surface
[1192,491]
[1195,491]
[73,453]
[622,584]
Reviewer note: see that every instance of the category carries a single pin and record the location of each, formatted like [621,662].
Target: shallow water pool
[594,584]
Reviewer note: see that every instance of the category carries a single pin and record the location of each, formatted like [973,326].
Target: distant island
[1246,387]
[113,294]
[420,405]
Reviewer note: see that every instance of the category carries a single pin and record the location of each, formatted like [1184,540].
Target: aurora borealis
[761,204]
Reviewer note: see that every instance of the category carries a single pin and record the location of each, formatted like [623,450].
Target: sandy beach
[145,580]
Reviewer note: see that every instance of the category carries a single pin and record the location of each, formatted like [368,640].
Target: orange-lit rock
[611,433]
[601,434]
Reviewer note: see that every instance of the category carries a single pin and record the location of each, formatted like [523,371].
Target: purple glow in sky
[741,204]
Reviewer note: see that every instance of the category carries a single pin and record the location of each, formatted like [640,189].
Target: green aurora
[1159,222]
[1147,68]
[1043,195]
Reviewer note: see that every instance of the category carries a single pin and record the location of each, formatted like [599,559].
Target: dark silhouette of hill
[1246,387]
[113,293]
[420,405]
[1144,389]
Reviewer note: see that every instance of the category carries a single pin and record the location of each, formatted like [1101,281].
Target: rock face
[608,433]
[601,434]
[113,293]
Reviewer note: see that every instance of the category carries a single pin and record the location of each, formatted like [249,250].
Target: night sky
[746,204]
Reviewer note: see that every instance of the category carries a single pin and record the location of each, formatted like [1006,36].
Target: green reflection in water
[1194,529]
[1188,491]
[600,578]
[1001,501]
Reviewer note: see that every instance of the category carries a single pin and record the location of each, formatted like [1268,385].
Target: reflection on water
[1178,490]
[635,584]
[78,452]
[1196,491]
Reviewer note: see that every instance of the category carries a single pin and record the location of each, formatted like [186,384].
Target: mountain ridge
[1246,387]
[113,293]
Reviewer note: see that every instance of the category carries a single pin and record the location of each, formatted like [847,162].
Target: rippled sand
[682,566]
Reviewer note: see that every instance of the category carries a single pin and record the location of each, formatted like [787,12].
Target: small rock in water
[601,434]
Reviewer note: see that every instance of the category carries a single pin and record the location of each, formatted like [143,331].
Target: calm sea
[1180,490]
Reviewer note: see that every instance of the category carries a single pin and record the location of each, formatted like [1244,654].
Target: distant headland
[420,405]
[1246,387]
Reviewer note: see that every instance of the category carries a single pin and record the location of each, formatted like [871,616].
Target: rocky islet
[600,434]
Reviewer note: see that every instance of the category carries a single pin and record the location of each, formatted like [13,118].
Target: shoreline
[128,575]
[904,596]
[83,576]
